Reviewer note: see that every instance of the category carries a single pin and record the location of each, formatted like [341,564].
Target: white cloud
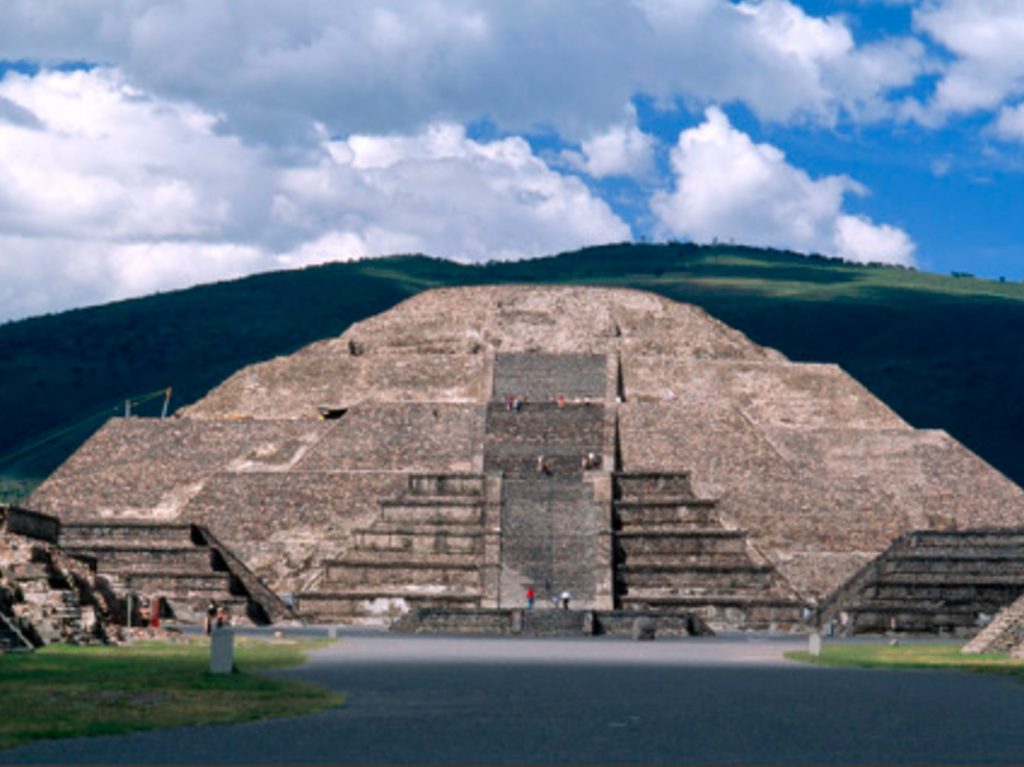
[621,150]
[986,40]
[1010,123]
[108,192]
[273,68]
[728,187]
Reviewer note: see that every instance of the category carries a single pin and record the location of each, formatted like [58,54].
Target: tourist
[211,616]
[222,617]
[530,596]
[566,596]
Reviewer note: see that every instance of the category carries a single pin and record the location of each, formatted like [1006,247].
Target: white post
[222,651]
[814,644]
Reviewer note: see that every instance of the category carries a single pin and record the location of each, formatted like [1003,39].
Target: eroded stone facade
[816,474]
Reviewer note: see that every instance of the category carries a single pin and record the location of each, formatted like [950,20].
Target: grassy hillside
[942,351]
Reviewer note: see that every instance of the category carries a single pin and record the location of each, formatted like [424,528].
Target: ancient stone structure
[45,595]
[473,443]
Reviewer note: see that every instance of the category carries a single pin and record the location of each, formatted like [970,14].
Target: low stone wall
[31,524]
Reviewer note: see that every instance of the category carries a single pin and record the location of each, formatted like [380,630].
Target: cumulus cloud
[729,187]
[1010,123]
[620,150]
[987,44]
[108,192]
[273,68]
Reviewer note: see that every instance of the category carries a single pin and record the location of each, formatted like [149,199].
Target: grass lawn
[62,691]
[944,656]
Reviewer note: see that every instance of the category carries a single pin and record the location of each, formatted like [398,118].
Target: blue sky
[145,147]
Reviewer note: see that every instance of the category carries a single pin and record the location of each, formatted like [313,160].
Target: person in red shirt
[530,596]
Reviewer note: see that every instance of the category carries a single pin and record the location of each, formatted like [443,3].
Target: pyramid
[473,443]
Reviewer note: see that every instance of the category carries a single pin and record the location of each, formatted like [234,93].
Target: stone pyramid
[472,443]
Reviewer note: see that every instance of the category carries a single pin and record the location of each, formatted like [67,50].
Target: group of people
[562,599]
[216,617]
[514,404]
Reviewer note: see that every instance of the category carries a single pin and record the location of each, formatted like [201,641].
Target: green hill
[944,352]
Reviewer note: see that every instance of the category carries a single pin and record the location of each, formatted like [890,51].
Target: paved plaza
[437,700]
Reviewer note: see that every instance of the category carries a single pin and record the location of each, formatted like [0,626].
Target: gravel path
[430,700]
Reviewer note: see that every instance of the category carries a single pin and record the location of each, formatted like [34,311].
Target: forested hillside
[944,352]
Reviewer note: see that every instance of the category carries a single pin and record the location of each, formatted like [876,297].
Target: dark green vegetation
[63,691]
[928,656]
[944,352]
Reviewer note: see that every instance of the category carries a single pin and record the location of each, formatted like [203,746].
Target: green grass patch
[62,691]
[926,656]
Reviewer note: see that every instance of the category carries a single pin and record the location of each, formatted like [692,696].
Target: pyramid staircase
[428,548]
[551,522]
[182,564]
[932,582]
[673,553]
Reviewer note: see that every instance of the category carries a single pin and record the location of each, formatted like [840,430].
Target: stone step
[558,465]
[981,538]
[399,575]
[920,606]
[183,559]
[708,559]
[419,540]
[448,486]
[432,512]
[653,486]
[950,553]
[951,557]
[547,489]
[709,591]
[539,375]
[681,542]
[380,607]
[669,576]
[538,425]
[980,577]
[103,534]
[639,515]
[727,613]
[947,593]
[1005,568]
[386,558]
[159,582]
[879,617]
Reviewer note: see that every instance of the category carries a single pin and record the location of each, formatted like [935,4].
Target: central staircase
[551,522]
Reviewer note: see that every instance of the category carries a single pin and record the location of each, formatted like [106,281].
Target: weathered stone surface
[802,473]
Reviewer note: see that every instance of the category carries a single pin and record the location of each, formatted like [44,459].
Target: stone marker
[644,629]
[814,644]
[222,651]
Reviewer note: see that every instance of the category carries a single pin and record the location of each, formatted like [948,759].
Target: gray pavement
[433,700]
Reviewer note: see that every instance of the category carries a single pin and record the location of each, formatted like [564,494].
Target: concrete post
[222,651]
[814,644]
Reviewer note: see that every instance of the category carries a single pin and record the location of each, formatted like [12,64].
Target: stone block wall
[538,376]
[149,469]
[411,437]
[283,525]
